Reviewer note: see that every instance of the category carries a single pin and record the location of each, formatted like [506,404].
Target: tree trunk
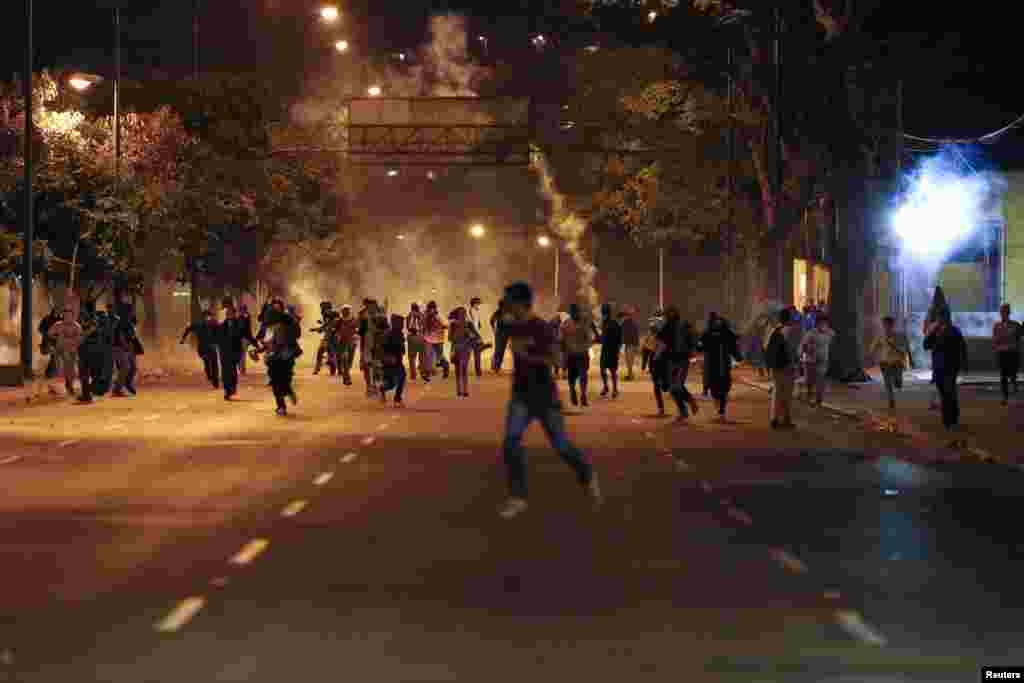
[150,327]
[851,276]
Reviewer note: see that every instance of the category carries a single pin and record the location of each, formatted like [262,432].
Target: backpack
[776,355]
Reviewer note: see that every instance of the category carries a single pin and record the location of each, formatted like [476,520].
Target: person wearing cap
[535,397]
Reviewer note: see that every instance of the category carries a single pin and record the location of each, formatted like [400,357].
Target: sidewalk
[990,428]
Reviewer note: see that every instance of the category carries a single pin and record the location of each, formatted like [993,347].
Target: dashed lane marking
[323,478]
[854,624]
[250,551]
[635,421]
[69,442]
[789,562]
[368,441]
[9,459]
[740,516]
[293,508]
[151,418]
[349,457]
[181,615]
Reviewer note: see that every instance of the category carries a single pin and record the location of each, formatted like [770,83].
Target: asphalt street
[175,536]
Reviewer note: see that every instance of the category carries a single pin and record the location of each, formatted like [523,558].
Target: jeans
[949,396]
[462,370]
[281,372]
[661,376]
[346,357]
[210,365]
[892,375]
[229,371]
[1009,366]
[439,358]
[69,367]
[500,344]
[578,366]
[394,378]
[88,363]
[417,352]
[477,351]
[124,359]
[518,419]
[816,377]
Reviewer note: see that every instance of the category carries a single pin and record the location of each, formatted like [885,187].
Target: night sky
[963,84]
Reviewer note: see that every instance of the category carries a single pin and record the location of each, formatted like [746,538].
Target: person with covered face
[535,397]
[391,352]
[205,332]
[721,347]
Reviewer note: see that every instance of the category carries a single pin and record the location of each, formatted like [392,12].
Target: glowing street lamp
[329,13]
[651,16]
[392,173]
[399,237]
[374,91]
[80,84]
[544,241]
[341,46]
[477,231]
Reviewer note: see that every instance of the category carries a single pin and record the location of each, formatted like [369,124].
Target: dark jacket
[231,334]
[611,335]
[949,350]
[720,348]
[392,348]
[205,333]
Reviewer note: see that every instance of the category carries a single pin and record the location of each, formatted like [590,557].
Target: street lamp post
[29,218]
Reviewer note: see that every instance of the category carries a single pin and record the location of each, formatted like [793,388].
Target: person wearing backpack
[781,357]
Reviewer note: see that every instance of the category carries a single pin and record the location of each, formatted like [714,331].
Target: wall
[1014,276]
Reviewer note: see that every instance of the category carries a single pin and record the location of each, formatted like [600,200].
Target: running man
[535,397]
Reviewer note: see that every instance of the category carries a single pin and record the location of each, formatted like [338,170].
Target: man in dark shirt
[205,332]
[672,363]
[500,338]
[630,340]
[392,347]
[231,338]
[535,397]
[949,359]
[611,347]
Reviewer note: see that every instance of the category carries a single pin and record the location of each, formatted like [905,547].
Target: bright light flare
[330,13]
[374,91]
[341,46]
[392,173]
[80,84]
[651,16]
[477,231]
[400,237]
[544,241]
[941,210]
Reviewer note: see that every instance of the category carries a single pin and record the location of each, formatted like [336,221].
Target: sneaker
[84,401]
[383,397]
[282,411]
[615,393]
[662,413]
[604,392]
[583,401]
[513,507]
[130,388]
[118,393]
[573,400]
[399,403]
[594,491]
[293,398]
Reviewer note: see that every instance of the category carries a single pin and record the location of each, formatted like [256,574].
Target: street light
[399,237]
[477,231]
[329,13]
[80,83]
[651,16]
[392,173]
[545,242]
[373,91]
[341,46]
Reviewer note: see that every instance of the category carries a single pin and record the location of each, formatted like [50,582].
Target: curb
[866,413]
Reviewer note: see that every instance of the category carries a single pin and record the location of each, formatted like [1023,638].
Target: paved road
[175,536]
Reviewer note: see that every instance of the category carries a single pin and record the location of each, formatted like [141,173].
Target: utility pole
[29,210]
[730,247]
[778,167]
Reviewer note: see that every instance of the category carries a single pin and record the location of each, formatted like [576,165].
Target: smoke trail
[570,228]
[444,68]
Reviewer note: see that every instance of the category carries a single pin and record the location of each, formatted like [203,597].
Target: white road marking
[181,615]
[368,441]
[740,516]
[667,454]
[649,435]
[69,442]
[9,459]
[293,508]
[151,418]
[635,421]
[250,551]
[790,562]
[854,624]
[349,457]
[323,478]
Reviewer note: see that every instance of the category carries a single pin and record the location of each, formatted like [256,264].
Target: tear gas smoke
[444,68]
[943,208]
[570,228]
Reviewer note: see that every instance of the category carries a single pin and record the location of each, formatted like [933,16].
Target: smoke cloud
[444,67]
[570,228]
